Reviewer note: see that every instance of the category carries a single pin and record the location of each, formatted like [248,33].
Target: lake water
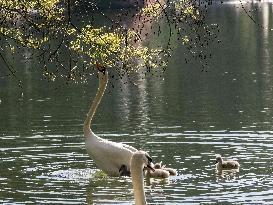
[183,121]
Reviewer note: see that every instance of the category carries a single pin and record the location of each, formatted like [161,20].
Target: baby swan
[161,171]
[158,173]
[170,170]
[228,164]
[158,165]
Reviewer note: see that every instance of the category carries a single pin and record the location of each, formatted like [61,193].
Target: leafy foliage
[109,48]
[152,10]
[67,45]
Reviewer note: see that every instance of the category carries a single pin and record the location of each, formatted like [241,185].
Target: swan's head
[218,159]
[100,67]
[142,159]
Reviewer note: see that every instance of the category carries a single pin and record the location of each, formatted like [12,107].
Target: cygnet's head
[141,157]
[158,165]
[218,159]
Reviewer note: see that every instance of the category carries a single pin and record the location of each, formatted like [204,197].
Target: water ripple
[48,168]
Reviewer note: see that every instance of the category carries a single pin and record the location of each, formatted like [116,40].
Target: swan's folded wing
[109,156]
[130,147]
[116,148]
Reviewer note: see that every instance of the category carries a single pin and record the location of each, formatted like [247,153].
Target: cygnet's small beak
[216,162]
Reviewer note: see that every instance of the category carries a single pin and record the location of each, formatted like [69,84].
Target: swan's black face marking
[149,159]
[149,162]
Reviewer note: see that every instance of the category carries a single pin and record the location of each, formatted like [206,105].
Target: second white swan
[140,159]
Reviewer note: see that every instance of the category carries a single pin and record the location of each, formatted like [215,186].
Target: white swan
[111,157]
[140,159]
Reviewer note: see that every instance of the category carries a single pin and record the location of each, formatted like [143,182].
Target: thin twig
[11,70]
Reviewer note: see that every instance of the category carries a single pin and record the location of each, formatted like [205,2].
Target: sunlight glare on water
[50,176]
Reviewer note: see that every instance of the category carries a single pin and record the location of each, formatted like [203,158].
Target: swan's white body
[108,156]
[138,161]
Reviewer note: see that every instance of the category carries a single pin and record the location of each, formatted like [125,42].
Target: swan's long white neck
[103,79]
[138,182]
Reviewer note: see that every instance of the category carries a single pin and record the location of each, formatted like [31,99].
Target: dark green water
[183,120]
